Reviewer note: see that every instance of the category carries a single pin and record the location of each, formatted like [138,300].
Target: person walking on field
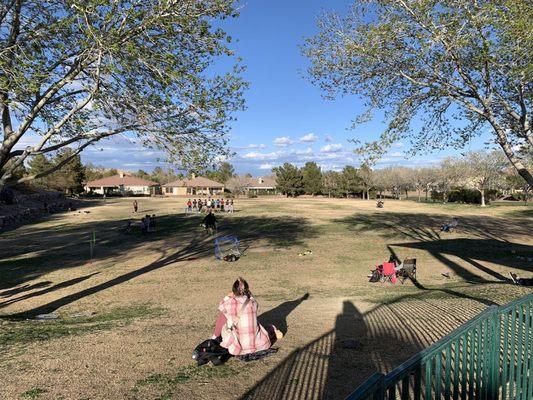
[194,205]
[189,205]
[237,326]
[221,205]
[210,223]
[135,206]
[231,206]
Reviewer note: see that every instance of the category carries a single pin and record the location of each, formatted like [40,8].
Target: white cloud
[328,138]
[266,166]
[283,141]
[398,144]
[252,147]
[261,156]
[331,148]
[309,138]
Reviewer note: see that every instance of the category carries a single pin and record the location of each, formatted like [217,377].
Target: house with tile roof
[124,184]
[197,185]
[262,185]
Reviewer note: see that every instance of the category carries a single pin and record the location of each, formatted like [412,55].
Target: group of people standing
[208,205]
[148,224]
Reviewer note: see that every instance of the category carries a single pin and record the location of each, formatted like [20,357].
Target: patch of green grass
[33,393]
[17,333]
[169,383]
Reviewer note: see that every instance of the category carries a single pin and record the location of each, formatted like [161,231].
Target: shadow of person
[323,368]
[278,315]
[346,351]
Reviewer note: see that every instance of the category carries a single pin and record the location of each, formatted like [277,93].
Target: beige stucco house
[263,185]
[124,184]
[197,185]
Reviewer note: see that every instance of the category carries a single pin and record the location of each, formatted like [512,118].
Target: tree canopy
[78,71]
[459,67]
[312,178]
[289,180]
[223,172]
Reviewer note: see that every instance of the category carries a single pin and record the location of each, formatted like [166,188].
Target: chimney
[121,174]
[193,175]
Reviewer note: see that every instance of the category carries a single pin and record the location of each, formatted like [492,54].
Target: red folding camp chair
[388,273]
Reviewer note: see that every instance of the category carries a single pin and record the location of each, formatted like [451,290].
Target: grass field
[129,319]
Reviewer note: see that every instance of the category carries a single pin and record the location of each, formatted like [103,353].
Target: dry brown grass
[155,298]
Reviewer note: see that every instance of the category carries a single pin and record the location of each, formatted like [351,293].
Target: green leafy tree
[223,173]
[312,178]
[349,181]
[158,175]
[71,175]
[455,66]
[110,172]
[75,72]
[38,166]
[289,180]
[143,175]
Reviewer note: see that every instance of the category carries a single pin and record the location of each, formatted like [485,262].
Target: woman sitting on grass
[237,324]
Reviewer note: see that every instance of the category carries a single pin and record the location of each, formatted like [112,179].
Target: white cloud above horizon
[266,166]
[251,146]
[283,141]
[309,138]
[331,148]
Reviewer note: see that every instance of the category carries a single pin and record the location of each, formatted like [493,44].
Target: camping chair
[408,270]
[388,273]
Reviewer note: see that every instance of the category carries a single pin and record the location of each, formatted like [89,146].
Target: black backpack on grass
[210,350]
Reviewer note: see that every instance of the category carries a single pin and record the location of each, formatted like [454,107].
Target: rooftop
[198,181]
[122,179]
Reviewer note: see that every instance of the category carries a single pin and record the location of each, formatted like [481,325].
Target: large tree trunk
[482,191]
[507,149]
[419,195]
[368,194]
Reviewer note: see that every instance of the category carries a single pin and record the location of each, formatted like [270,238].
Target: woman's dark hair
[241,288]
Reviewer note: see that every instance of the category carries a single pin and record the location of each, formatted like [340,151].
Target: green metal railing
[489,358]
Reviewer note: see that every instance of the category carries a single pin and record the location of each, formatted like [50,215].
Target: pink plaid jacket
[248,336]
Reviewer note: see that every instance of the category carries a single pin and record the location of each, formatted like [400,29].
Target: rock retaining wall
[28,208]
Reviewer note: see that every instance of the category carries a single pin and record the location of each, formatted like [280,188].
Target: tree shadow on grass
[490,242]
[334,364]
[24,288]
[177,239]
[427,226]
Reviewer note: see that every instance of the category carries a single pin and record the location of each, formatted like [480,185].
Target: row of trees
[479,171]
